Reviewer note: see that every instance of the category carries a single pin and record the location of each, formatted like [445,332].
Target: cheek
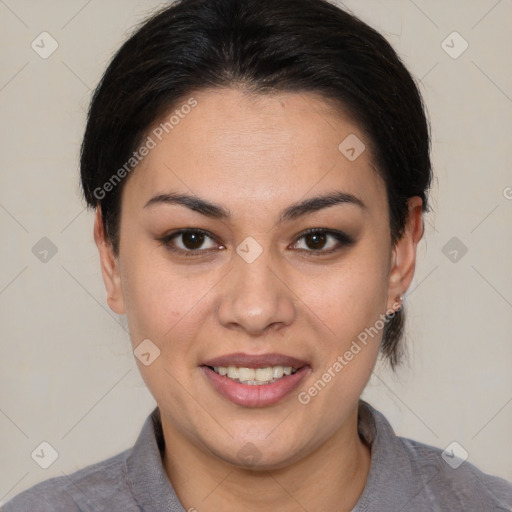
[349,298]
[163,301]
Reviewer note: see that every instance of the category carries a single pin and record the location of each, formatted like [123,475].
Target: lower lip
[258,395]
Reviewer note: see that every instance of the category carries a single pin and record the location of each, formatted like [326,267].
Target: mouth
[255,380]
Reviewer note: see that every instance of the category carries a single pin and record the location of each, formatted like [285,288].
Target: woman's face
[252,289]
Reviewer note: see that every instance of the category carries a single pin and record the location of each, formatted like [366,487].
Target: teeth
[262,374]
[278,372]
[232,372]
[246,374]
[255,376]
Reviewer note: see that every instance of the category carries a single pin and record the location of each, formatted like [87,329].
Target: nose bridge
[255,297]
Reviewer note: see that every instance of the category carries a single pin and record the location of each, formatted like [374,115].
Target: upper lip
[241,359]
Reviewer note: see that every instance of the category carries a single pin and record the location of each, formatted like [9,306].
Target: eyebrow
[292,212]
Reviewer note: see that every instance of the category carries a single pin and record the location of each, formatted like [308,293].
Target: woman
[259,171]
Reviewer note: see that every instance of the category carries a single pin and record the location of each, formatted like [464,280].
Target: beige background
[67,375]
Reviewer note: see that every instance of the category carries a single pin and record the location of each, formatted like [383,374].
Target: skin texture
[256,155]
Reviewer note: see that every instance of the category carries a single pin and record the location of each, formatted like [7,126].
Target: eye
[189,242]
[317,239]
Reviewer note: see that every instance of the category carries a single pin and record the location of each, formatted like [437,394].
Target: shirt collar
[146,473]
[376,432]
[154,493]
[393,474]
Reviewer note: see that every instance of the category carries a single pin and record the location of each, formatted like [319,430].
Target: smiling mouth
[254,376]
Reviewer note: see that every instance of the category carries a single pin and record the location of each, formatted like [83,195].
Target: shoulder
[409,475]
[100,486]
[446,478]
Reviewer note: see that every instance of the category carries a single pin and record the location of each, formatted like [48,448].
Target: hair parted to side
[262,46]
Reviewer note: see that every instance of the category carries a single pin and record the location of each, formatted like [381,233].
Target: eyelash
[342,238]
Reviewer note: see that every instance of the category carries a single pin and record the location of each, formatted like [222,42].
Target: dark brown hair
[263,46]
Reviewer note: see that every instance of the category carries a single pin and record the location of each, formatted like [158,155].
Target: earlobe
[403,258]
[109,266]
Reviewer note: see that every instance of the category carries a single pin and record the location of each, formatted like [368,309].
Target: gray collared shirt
[404,476]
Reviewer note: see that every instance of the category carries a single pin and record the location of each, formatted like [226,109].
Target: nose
[256,297]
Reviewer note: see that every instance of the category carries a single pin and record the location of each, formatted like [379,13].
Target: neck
[331,477]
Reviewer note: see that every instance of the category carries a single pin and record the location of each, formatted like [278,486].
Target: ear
[109,266]
[403,258]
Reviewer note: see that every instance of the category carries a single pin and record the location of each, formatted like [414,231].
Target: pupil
[193,240]
[318,240]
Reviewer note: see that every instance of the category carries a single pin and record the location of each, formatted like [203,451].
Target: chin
[258,454]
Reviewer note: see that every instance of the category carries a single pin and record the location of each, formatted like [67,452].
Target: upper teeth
[254,375]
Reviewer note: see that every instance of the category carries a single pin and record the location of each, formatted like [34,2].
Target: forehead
[244,148]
